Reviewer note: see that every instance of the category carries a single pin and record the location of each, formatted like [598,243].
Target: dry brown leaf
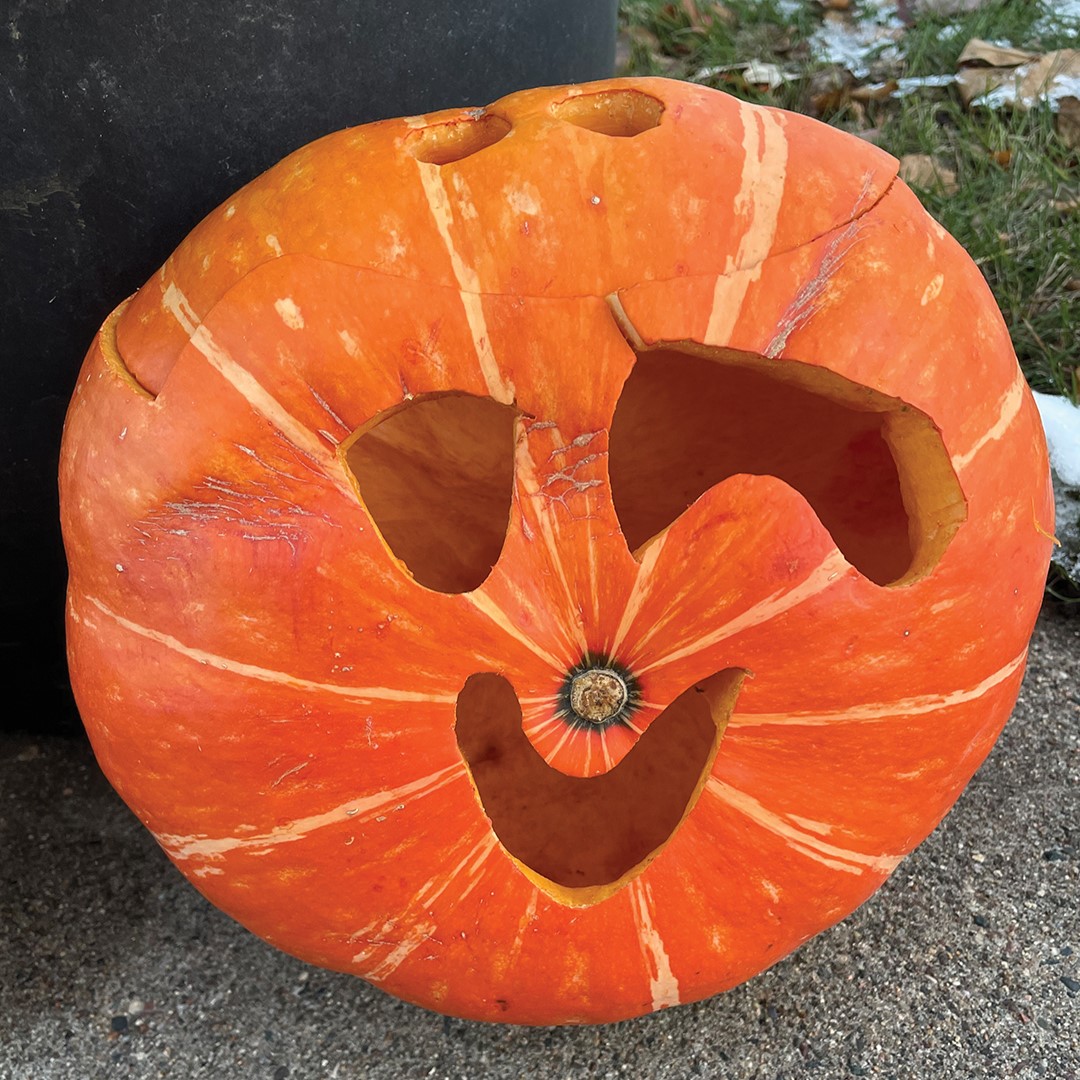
[986,53]
[921,170]
[1045,77]
[1068,122]
[879,92]
[829,88]
[1001,157]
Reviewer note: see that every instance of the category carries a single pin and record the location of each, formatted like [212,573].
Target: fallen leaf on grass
[1020,84]
[987,54]
[755,73]
[921,170]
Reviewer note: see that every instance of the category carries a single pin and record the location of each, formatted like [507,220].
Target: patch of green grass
[1015,201]
[1017,183]
[1015,211]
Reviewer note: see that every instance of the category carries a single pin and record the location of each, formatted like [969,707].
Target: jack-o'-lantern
[550,560]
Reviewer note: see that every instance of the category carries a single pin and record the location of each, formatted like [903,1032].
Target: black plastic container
[123,124]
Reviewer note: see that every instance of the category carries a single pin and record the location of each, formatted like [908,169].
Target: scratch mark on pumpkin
[1008,409]
[270,409]
[805,305]
[261,674]
[353,812]
[663,986]
[806,843]
[324,404]
[834,568]
[913,706]
[467,278]
[470,866]
[527,917]
[290,772]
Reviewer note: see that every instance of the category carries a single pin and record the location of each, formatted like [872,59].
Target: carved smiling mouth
[581,839]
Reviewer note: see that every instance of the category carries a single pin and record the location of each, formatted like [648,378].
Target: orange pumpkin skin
[273,694]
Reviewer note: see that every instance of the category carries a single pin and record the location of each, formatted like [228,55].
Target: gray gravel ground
[966,964]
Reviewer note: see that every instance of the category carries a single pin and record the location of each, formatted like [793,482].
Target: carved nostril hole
[441,144]
[436,477]
[620,113]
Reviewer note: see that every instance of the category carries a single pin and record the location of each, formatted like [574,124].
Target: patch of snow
[854,45]
[1057,13]
[1061,421]
[910,83]
[1052,91]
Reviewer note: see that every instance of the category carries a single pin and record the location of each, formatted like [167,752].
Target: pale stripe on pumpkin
[352,812]
[483,603]
[268,407]
[1007,410]
[180,308]
[470,866]
[253,671]
[799,839]
[831,570]
[913,706]
[760,195]
[468,280]
[663,986]
[640,590]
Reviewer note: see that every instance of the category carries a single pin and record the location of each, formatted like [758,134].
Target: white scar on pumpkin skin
[663,986]
[1007,411]
[290,314]
[799,839]
[833,569]
[261,674]
[468,281]
[913,706]
[760,195]
[352,813]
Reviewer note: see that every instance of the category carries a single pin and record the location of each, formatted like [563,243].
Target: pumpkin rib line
[863,714]
[253,671]
[800,840]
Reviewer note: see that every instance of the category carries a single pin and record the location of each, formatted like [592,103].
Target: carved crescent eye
[874,470]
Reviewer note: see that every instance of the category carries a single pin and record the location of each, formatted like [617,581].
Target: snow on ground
[1061,420]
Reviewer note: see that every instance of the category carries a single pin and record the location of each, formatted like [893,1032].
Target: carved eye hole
[436,476]
[874,470]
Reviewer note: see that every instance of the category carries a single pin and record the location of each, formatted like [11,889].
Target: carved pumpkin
[552,560]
